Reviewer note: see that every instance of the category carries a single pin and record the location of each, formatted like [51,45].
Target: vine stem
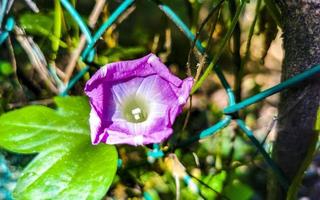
[76,54]
[221,48]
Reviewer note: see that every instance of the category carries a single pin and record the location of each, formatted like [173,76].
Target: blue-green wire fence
[230,112]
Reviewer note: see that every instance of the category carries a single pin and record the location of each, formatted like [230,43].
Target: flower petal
[147,78]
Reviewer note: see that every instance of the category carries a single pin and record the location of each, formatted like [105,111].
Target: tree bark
[298,105]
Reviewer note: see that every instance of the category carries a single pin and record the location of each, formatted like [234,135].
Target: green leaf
[5,68]
[317,125]
[35,128]
[36,23]
[40,24]
[82,172]
[238,190]
[215,182]
[73,106]
[68,165]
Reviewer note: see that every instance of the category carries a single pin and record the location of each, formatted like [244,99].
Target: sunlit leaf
[239,191]
[68,165]
[5,68]
[35,128]
[81,172]
[40,24]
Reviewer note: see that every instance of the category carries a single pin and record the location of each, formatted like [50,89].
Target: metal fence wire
[230,112]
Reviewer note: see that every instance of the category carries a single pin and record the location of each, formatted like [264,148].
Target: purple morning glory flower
[135,102]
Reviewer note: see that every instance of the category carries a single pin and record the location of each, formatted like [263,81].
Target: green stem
[221,48]
[236,53]
[57,27]
[275,168]
[274,11]
[295,185]
[275,89]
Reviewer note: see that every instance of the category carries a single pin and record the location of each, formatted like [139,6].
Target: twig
[155,43]
[167,45]
[213,10]
[202,63]
[186,120]
[36,57]
[177,181]
[38,102]
[240,71]
[203,58]
[14,66]
[124,16]
[222,46]
[60,73]
[236,53]
[32,6]
[75,55]
[207,186]
[213,28]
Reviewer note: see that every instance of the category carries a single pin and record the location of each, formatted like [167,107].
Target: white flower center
[135,109]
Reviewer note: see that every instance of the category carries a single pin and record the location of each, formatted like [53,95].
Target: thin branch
[14,66]
[36,57]
[240,72]
[222,46]
[76,54]
[202,58]
[205,21]
[207,186]
[38,102]
[186,120]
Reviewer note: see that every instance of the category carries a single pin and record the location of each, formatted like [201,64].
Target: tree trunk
[298,105]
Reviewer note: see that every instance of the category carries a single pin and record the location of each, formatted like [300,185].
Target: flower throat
[135,109]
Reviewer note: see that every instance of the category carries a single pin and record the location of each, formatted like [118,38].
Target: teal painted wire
[281,178]
[179,23]
[8,27]
[192,186]
[207,132]
[88,53]
[218,126]
[3,10]
[54,75]
[147,196]
[226,86]
[6,179]
[5,174]
[78,76]
[3,36]
[232,104]
[83,27]
[74,80]
[85,30]
[119,163]
[288,83]
[156,152]
[114,16]
[171,14]
[174,17]
[9,24]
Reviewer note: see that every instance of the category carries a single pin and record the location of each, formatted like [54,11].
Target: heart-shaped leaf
[68,165]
